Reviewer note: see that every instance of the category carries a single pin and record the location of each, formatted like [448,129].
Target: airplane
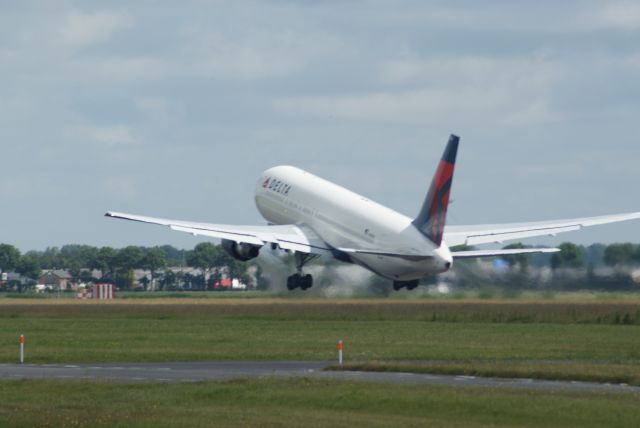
[310,216]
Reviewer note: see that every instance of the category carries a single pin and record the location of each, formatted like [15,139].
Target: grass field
[303,402]
[484,293]
[585,341]
[569,339]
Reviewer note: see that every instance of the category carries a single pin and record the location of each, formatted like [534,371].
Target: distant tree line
[117,265]
[578,256]
[575,267]
[597,266]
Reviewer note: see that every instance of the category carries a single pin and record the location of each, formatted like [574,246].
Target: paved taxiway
[218,371]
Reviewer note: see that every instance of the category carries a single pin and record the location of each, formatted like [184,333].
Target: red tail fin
[432,216]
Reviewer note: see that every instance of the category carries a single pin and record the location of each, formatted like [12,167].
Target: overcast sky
[174,109]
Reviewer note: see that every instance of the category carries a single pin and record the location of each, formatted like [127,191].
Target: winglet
[432,217]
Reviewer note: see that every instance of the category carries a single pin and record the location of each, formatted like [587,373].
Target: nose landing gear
[298,280]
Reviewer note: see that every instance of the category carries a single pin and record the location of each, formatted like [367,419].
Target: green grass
[604,372]
[598,340]
[421,294]
[254,330]
[493,311]
[249,294]
[99,340]
[586,340]
[304,402]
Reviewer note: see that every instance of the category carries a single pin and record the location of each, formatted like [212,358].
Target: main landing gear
[298,280]
[409,285]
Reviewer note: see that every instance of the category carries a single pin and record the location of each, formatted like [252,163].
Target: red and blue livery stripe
[432,217]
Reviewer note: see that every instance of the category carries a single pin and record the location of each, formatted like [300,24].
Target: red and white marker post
[340,346]
[21,348]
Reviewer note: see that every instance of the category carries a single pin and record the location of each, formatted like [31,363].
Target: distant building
[7,277]
[223,283]
[56,279]
[104,291]
[96,274]
[140,274]
[185,270]
[229,284]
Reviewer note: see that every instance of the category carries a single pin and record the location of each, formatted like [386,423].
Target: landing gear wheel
[410,285]
[298,279]
[306,282]
[293,281]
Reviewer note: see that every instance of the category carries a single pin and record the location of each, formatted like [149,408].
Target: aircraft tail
[432,216]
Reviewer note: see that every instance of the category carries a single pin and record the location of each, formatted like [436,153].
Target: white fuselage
[344,219]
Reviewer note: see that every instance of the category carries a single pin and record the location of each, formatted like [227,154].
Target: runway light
[21,348]
[340,346]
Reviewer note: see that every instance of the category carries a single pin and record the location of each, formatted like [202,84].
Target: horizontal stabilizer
[498,233]
[498,253]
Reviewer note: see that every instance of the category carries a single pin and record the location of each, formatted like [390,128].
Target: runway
[221,371]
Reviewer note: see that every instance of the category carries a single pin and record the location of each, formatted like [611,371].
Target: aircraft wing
[288,237]
[498,233]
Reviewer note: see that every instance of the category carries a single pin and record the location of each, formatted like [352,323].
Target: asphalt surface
[220,371]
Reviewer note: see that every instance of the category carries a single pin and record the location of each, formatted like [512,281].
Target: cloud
[11,187]
[117,70]
[121,188]
[207,55]
[256,54]
[7,56]
[539,70]
[84,29]
[25,187]
[423,107]
[511,91]
[107,136]
[214,92]
[224,57]
[522,17]
[152,105]
[621,15]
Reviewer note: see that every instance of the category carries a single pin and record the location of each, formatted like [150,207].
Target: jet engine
[241,251]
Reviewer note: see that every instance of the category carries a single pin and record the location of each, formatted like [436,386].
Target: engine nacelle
[241,251]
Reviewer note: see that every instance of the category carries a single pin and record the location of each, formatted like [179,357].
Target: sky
[173,109]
